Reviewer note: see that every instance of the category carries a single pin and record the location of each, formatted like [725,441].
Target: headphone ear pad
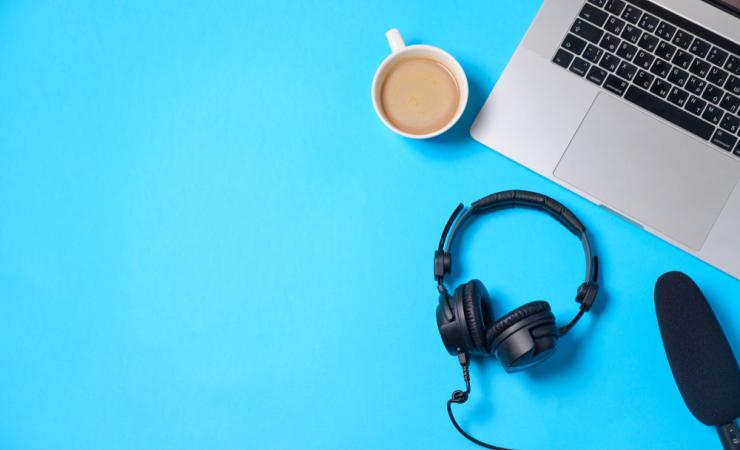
[524,337]
[477,311]
[515,316]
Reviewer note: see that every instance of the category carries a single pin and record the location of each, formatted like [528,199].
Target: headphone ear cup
[524,337]
[515,316]
[453,328]
[475,301]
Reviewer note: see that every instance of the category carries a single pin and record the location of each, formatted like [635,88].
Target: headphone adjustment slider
[442,264]
[587,294]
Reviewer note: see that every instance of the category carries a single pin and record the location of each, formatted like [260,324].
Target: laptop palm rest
[649,171]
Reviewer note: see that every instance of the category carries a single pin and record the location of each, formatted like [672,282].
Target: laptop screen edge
[730,6]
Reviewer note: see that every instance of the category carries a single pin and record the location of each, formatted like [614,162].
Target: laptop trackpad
[649,171]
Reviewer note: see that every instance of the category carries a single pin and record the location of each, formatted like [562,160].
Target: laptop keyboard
[661,62]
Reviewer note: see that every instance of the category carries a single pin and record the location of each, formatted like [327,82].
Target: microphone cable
[461,397]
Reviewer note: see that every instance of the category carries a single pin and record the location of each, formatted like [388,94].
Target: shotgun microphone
[700,356]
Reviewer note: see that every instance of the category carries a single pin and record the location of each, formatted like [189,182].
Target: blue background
[208,240]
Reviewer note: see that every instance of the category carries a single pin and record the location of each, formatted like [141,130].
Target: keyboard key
[648,42]
[594,14]
[587,31]
[644,59]
[660,68]
[724,140]
[665,31]
[626,70]
[712,114]
[631,14]
[678,97]
[615,84]
[599,3]
[610,42]
[574,44]
[717,56]
[669,112]
[682,39]
[730,123]
[683,59]
[627,50]
[580,66]
[563,58]
[615,25]
[699,68]
[696,106]
[731,103]
[713,94]
[665,50]
[660,88]
[733,65]
[678,76]
[717,76]
[596,75]
[699,48]
[648,22]
[610,62]
[733,85]
[695,85]
[593,53]
[631,33]
[643,79]
[614,6]
[737,149]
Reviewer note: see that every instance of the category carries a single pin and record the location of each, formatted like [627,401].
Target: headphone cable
[461,397]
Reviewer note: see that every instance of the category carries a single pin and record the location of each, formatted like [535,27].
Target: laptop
[635,105]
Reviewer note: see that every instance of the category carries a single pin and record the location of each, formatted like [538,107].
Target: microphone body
[729,436]
[701,359]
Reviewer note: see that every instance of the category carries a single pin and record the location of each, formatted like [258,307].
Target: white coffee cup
[399,50]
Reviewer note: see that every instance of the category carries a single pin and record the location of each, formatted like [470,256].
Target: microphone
[700,356]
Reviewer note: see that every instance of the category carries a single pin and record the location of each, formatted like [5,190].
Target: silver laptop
[635,105]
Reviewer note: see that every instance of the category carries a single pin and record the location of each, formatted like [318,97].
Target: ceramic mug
[399,51]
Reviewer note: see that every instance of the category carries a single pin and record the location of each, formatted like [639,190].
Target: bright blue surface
[208,240]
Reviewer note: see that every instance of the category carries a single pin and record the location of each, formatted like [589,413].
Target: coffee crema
[419,96]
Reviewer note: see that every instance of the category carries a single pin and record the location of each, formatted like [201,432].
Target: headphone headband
[533,200]
[586,292]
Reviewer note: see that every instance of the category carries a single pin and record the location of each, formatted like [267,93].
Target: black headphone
[527,335]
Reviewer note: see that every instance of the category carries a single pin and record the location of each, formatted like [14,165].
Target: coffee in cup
[419,91]
[419,95]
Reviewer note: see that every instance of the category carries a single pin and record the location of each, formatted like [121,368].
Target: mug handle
[395,41]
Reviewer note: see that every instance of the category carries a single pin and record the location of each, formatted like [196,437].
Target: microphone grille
[700,357]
